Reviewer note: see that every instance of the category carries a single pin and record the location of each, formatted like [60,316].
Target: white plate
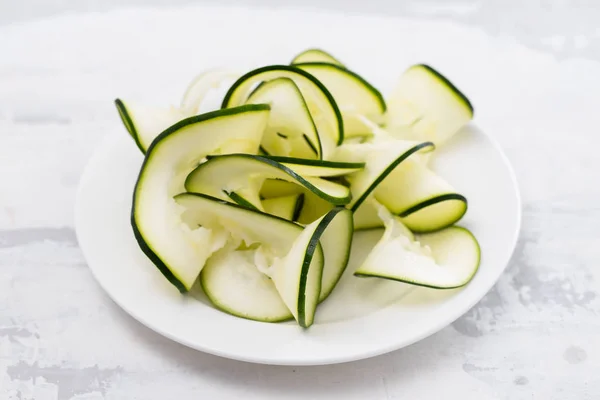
[363,317]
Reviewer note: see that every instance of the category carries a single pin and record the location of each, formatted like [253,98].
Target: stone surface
[534,336]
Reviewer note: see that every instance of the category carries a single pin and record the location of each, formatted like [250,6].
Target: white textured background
[536,335]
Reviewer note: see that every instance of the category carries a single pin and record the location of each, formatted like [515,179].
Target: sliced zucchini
[443,260]
[425,105]
[297,276]
[242,201]
[145,123]
[290,255]
[302,278]
[436,213]
[286,207]
[320,168]
[353,95]
[272,188]
[291,130]
[316,55]
[244,174]
[381,159]
[200,87]
[336,239]
[358,139]
[313,207]
[180,252]
[424,200]
[322,106]
[366,217]
[233,284]
[231,279]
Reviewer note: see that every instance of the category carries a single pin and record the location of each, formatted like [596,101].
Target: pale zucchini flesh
[366,217]
[445,259]
[199,88]
[425,105]
[272,188]
[298,275]
[291,130]
[286,207]
[145,123]
[316,55]
[233,284]
[231,278]
[380,159]
[424,200]
[249,226]
[313,207]
[353,94]
[436,213]
[322,105]
[336,229]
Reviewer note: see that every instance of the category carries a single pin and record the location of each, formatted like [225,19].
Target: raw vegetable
[286,207]
[352,93]
[291,130]
[145,123]
[244,174]
[259,200]
[322,106]
[425,105]
[424,200]
[445,259]
[177,250]
[316,55]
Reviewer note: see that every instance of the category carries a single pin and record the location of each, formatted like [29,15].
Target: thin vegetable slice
[231,279]
[424,200]
[366,217]
[303,285]
[322,106]
[353,94]
[245,173]
[297,276]
[201,86]
[313,206]
[316,55]
[320,168]
[145,123]
[443,260]
[336,240]
[381,159]
[233,284]
[291,130]
[287,207]
[425,105]
[180,252]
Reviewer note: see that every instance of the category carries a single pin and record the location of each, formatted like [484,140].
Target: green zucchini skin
[128,122]
[316,55]
[374,91]
[189,182]
[450,85]
[388,170]
[316,163]
[293,69]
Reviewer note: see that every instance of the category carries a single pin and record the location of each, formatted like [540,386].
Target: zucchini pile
[258,199]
